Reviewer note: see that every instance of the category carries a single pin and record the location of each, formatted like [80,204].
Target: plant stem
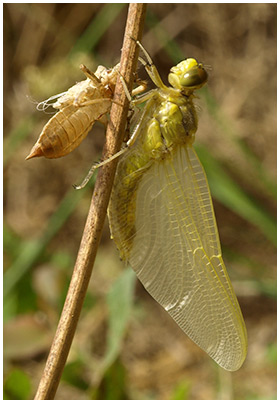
[97,212]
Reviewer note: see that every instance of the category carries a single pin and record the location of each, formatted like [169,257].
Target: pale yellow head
[188,75]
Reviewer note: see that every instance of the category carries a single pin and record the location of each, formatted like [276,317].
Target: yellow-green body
[170,121]
[162,219]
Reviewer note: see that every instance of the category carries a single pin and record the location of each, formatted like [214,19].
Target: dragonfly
[162,219]
[160,213]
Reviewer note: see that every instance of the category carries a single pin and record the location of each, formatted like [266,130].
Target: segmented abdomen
[66,130]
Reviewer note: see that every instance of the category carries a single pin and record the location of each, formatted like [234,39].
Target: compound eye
[195,77]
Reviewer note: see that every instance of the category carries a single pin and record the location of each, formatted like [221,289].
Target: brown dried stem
[97,213]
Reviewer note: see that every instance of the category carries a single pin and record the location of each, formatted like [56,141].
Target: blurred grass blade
[226,126]
[99,25]
[169,44]
[224,189]
[17,385]
[120,300]
[32,250]
[259,284]
[16,137]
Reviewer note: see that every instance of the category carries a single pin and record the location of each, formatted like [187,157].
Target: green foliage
[99,25]
[181,391]
[230,194]
[120,300]
[113,385]
[17,385]
[32,250]
[16,137]
[272,353]
[73,374]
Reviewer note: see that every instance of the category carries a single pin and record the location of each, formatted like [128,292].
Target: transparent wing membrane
[162,219]
[176,254]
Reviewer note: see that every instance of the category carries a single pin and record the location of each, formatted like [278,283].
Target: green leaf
[99,25]
[32,250]
[119,299]
[15,138]
[181,391]
[229,193]
[17,386]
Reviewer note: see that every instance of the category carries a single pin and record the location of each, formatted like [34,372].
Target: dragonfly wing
[177,256]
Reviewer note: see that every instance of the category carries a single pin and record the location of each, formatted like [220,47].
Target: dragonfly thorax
[188,75]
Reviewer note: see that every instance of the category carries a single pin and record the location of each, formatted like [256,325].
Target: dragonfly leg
[153,73]
[141,88]
[150,67]
[128,144]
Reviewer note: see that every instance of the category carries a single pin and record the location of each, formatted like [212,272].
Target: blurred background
[126,346]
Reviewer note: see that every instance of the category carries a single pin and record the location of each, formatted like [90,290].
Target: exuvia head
[188,75]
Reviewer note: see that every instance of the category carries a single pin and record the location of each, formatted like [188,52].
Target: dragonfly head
[188,75]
